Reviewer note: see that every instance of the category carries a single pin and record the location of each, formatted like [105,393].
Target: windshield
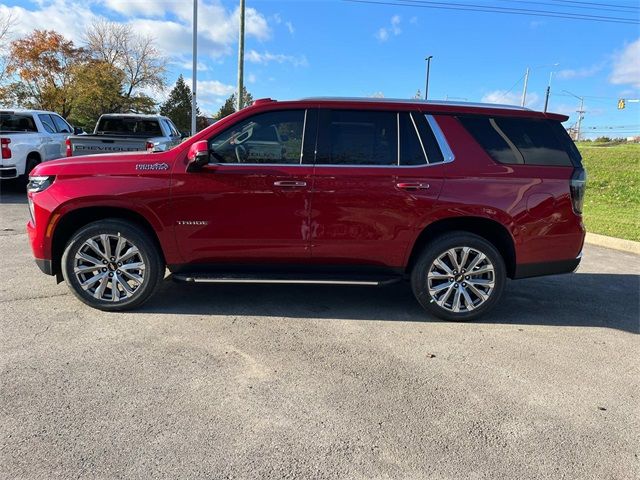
[129,127]
[13,122]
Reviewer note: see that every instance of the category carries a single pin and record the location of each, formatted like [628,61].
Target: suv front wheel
[112,265]
[459,276]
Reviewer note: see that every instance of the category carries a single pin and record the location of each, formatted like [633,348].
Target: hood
[126,163]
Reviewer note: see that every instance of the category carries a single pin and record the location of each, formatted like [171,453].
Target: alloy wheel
[461,279]
[109,267]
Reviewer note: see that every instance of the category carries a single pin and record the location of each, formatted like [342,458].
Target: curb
[614,243]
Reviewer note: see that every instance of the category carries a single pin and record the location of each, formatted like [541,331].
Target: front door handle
[289,183]
[413,186]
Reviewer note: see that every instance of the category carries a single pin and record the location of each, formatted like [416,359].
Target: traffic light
[621,104]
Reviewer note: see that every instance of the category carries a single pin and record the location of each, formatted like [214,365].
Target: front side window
[271,137]
[61,125]
[358,137]
[47,123]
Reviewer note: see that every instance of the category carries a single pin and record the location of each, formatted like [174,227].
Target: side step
[296,278]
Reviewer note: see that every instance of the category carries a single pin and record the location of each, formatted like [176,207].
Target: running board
[368,280]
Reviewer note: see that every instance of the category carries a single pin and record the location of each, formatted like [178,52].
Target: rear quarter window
[521,140]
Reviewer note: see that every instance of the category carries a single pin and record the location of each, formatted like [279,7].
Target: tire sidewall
[438,247]
[148,251]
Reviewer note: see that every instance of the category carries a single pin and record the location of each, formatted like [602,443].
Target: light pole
[526,82]
[580,112]
[241,56]
[426,88]
[195,68]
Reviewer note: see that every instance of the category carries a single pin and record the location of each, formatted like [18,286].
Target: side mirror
[78,131]
[198,155]
[184,135]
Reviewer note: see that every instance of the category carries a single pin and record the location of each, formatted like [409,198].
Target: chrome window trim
[304,129]
[415,128]
[398,138]
[447,153]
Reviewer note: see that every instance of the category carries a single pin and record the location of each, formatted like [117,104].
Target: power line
[582,7]
[486,9]
[602,4]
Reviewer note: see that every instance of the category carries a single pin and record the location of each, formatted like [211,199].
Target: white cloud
[139,8]
[384,33]
[211,93]
[267,57]
[570,74]
[511,98]
[626,66]
[290,27]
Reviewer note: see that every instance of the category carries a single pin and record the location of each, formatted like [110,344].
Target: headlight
[38,184]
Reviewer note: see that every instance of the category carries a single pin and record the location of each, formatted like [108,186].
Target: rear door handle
[413,186]
[289,183]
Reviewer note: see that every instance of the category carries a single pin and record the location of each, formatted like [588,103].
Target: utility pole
[524,90]
[580,113]
[426,88]
[195,68]
[241,56]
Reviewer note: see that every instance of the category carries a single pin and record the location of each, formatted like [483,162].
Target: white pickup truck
[28,137]
[126,132]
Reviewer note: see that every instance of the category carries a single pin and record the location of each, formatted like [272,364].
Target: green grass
[612,200]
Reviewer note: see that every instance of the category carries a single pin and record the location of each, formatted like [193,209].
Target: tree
[230,103]
[178,105]
[136,55]
[45,63]
[99,90]
[6,20]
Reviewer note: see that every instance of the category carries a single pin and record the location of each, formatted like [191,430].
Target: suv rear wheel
[459,276]
[112,265]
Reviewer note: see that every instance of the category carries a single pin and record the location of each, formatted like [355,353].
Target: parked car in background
[29,137]
[454,198]
[126,132]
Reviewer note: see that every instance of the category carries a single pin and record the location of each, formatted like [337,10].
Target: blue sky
[306,48]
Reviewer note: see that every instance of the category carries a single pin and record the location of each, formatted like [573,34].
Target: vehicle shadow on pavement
[11,192]
[582,299]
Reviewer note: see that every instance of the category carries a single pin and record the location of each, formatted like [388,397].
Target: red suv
[453,197]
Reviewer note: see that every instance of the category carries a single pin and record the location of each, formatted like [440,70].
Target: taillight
[69,149]
[149,147]
[4,146]
[577,187]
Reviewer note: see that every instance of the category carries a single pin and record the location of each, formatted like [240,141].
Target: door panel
[367,208]
[252,203]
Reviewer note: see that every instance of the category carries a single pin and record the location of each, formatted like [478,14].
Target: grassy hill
[612,200]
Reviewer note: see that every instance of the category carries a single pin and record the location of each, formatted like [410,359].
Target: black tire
[32,161]
[434,250]
[154,268]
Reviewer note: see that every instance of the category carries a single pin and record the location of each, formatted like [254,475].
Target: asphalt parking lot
[318,382]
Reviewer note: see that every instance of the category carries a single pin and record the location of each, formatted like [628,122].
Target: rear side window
[47,123]
[519,140]
[358,137]
[411,150]
[11,122]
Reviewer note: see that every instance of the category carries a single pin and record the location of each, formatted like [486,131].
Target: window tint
[272,137]
[47,123]
[174,130]
[521,140]
[129,126]
[411,152]
[359,138]
[488,137]
[536,141]
[61,125]
[10,122]
[434,155]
